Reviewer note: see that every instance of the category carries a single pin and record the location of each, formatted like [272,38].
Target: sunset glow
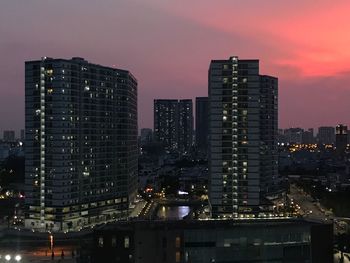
[168,45]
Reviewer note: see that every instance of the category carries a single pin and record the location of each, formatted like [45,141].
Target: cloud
[168,46]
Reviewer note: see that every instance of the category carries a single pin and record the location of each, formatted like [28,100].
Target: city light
[51,242]
[8,257]
[18,258]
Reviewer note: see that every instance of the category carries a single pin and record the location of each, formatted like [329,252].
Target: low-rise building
[284,240]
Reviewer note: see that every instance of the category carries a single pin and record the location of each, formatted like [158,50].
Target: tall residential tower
[81,143]
[243,137]
[173,123]
[202,122]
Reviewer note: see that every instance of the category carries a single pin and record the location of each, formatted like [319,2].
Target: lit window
[100,241]
[177,242]
[177,256]
[114,241]
[126,242]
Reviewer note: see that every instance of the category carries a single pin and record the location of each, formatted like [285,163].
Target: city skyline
[310,66]
[174,132]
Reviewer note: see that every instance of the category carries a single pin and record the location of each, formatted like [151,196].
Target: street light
[51,242]
[8,257]
[18,258]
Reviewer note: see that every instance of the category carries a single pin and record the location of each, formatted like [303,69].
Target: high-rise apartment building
[326,135]
[173,123]
[185,125]
[9,136]
[166,121]
[202,122]
[341,139]
[81,143]
[243,137]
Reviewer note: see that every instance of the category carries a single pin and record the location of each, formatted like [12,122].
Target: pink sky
[168,46]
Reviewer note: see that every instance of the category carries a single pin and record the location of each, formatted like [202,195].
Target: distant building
[269,240]
[341,139]
[9,136]
[22,135]
[202,124]
[81,154]
[166,121]
[173,124]
[185,125]
[4,151]
[281,138]
[146,135]
[326,135]
[243,155]
[308,136]
[294,135]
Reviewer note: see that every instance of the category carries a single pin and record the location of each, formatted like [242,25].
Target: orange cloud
[308,35]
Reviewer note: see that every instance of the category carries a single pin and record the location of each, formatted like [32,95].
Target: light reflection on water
[172,212]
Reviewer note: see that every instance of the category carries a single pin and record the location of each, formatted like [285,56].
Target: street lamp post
[51,242]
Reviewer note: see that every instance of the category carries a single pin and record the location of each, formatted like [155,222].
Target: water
[173,212]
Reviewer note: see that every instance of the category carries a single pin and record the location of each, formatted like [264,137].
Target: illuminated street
[312,209]
[41,254]
[308,207]
[36,248]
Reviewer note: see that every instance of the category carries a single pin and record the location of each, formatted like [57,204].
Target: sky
[168,46]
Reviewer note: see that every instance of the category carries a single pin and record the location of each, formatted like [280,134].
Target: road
[42,253]
[313,210]
[139,207]
[308,207]
[337,258]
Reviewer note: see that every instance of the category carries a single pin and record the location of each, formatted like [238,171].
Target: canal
[172,212]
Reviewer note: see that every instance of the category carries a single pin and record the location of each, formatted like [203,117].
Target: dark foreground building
[220,241]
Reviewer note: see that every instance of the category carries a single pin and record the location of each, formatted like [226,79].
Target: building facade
[326,135]
[9,136]
[173,124]
[243,137]
[22,137]
[308,136]
[294,135]
[202,123]
[185,125]
[219,241]
[341,139]
[146,136]
[81,143]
